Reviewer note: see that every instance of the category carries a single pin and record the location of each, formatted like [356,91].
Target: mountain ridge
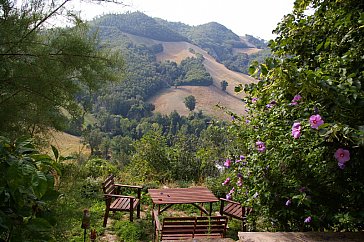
[204,43]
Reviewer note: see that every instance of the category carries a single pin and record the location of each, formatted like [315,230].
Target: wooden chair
[116,202]
[233,209]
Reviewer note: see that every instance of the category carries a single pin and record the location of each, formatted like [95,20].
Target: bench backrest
[214,226]
[178,228]
[191,227]
[108,186]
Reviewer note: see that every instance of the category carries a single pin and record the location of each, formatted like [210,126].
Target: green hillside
[219,41]
[139,24]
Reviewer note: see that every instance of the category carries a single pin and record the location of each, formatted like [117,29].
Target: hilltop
[162,54]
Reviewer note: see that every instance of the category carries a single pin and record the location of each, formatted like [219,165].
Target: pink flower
[308,219]
[227,163]
[316,121]
[226,182]
[260,146]
[342,155]
[241,159]
[296,130]
[296,98]
[240,182]
[254,99]
[232,190]
[228,196]
[289,201]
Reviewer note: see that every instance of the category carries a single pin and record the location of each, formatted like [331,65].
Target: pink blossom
[308,219]
[316,121]
[254,99]
[232,190]
[296,130]
[342,155]
[296,98]
[228,196]
[289,201]
[240,182]
[227,163]
[241,159]
[226,182]
[260,146]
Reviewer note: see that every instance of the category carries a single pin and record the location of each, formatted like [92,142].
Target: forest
[295,158]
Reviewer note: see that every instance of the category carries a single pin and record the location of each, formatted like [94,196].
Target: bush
[97,167]
[129,231]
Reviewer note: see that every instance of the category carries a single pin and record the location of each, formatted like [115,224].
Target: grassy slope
[206,97]
[68,144]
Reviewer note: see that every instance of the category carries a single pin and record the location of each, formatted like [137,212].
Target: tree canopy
[190,102]
[42,69]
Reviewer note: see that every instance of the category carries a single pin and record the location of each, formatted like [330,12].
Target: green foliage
[26,190]
[194,72]
[129,231]
[316,72]
[42,70]
[78,191]
[150,161]
[97,167]
[190,102]
[138,23]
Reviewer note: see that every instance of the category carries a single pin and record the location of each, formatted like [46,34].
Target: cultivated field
[206,97]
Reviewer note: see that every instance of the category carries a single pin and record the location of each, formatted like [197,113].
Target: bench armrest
[130,186]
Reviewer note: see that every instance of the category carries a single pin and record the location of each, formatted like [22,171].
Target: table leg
[210,209]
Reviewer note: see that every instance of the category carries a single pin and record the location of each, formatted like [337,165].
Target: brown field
[206,97]
[68,144]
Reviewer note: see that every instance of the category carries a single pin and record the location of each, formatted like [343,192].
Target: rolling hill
[206,97]
[149,42]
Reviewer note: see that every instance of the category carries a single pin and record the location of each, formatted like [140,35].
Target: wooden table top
[182,195]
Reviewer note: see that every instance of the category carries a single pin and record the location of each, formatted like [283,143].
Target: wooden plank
[182,195]
[301,236]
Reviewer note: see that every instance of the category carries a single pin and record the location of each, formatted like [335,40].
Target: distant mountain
[161,54]
[138,23]
[220,42]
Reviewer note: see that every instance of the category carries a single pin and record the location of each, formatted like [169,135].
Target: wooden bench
[233,209]
[184,228]
[116,202]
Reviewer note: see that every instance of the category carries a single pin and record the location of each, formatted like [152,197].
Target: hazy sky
[254,17]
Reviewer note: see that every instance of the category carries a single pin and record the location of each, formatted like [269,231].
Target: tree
[224,84]
[43,69]
[190,102]
[304,134]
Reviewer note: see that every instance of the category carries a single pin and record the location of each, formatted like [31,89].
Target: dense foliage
[302,166]
[27,187]
[43,69]
[139,24]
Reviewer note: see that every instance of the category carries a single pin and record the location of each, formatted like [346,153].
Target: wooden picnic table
[165,198]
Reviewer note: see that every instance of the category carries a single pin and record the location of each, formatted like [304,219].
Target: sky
[253,17]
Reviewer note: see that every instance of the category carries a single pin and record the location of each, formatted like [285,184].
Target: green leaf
[39,184]
[252,70]
[238,88]
[264,69]
[55,152]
